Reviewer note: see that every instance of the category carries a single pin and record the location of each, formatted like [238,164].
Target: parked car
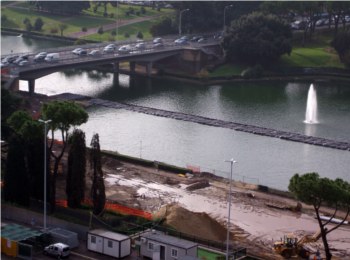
[94,53]
[195,38]
[52,57]
[157,40]
[59,250]
[202,40]
[40,56]
[9,59]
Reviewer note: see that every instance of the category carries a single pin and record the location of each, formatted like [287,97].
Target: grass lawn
[131,29]
[312,57]
[227,70]
[209,255]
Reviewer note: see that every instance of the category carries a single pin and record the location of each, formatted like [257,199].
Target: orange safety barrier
[114,207]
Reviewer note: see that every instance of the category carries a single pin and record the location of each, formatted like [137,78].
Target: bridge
[192,54]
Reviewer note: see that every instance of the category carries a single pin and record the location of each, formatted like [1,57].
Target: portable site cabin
[159,246]
[64,236]
[109,243]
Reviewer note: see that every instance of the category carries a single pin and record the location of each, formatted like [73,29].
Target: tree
[341,43]
[257,39]
[38,24]
[16,187]
[62,27]
[318,192]
[64,115]
[75,185]
[9,104]
[100,30]
[27,134]
[164,27]
[98,188]
[139,35]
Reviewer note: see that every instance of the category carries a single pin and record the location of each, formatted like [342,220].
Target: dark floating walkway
[219,123]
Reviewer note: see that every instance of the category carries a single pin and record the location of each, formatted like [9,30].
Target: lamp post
[225,8]
[45,168]
[180,19]
[229,210]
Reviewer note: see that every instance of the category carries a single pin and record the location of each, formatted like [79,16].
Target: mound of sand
[191,223]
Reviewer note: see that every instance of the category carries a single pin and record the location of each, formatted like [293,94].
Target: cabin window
[150,246]
[174,252]
[93,239]
[110,243]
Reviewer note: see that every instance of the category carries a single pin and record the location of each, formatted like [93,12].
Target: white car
[125,49]
[157,40]
[94,53]
[58,250]
[140,46]
[77,51]
[108,49]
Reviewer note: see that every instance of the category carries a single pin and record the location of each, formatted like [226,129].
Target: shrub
[26,20]
[83,29]
[126,35]
[3,18]
[114,32]
[79,42]
[139,35]
[38,24]
[111,38]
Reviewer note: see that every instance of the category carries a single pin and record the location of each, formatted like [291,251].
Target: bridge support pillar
[116,73]
[132,67]
[31,86]
[149,69]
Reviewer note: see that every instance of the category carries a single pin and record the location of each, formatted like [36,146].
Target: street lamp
[226,7]
[180,19]
[45,168]
[229,210]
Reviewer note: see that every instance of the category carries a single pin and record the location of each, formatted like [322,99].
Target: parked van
[52,57]
[59,250]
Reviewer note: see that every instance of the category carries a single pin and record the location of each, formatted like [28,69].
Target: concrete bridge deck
[257,130]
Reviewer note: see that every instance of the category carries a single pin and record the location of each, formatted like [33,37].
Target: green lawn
[209,255]
[227,70]
[312,57]
[120,12]
[131,29]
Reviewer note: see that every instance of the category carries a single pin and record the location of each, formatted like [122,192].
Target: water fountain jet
[311,106]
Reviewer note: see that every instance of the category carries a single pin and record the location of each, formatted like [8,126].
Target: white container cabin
[159,246]
[109,243]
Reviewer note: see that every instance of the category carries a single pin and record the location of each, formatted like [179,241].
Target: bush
[114,32]
[139,35]
[111,38]
[38,24]
[126,35]
[79,42]
[83,29]
[26,20]
[252,72]
[3,18]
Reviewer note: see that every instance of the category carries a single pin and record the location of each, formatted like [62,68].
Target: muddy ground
[257,218]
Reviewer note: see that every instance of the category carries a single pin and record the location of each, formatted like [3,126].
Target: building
[160,246]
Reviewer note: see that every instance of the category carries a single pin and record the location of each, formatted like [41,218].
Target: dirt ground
[257,218]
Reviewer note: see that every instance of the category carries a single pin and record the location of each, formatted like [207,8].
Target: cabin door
[162,252]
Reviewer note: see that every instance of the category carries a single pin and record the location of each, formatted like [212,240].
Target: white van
[52,57]
[59,250]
